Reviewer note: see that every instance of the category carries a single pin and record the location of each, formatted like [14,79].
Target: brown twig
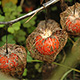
[21,3]
[32,16]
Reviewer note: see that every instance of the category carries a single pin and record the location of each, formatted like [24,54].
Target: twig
[21,3]
[31,13]
[71,40]
[6,41]
[32,16]
[64,56]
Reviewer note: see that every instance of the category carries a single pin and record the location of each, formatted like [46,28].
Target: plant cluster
[49,41]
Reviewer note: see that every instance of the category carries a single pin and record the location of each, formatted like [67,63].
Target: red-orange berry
[70,19]
[73,24]
[47,46]
[7,62]
[13,62]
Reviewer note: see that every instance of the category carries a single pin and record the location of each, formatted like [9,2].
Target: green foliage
[20,35]
[1,43]
[25,72]
[11,11]
[14,27]
[10,39]
[29,30]
[76,38]
[29,58]
[1,19]
[1,26]
[30,23]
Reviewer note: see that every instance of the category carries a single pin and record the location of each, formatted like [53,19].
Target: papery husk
[65,14]
[22,55]
[56,30]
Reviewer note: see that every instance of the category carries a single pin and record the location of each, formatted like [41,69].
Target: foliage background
[19,31]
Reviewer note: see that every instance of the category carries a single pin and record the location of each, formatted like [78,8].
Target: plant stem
[21,3]
[31,13]
[6,41]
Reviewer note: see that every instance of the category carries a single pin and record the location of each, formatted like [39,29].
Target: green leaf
[12,42]
[29,58]
[14,27]
[10,29]
[1,43]
[1,25]
[28,52]
[9,39]
[16,24]
[1,18]
[20,33]
[25,72]
[9,7]
[30,29]
[14,14]
[11,11]
[20,36]
[19,9]
[76,38]
[30,23]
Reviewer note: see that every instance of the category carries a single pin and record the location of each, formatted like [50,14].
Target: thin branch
[31,16]
[31,13]
[21,3]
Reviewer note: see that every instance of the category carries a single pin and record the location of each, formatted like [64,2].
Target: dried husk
[56,30]
[65,14]
[22,55]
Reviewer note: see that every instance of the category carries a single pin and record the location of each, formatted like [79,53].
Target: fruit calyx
[46,33]
[74,16]
[73,23]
